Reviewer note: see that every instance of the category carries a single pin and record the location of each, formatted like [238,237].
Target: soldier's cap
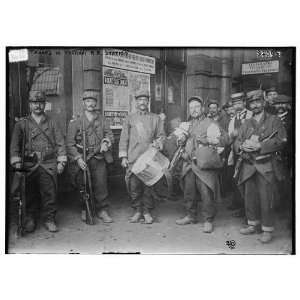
[240,96]
[196,98]
[271,89]
[227,105]
[212,101]
[90,95]
[142,93]
[37,96]
[255,95]
[282,99]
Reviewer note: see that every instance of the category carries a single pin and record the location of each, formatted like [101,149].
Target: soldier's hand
[124,162]
[81,164]
[60,168]
[17,165]
[156,144]
[104,147]
[213,141]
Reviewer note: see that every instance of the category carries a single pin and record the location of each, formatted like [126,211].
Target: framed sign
[260,67]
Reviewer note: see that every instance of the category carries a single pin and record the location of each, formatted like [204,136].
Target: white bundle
[213,131]
[182,130]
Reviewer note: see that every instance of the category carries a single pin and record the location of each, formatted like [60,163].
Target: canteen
[150,166]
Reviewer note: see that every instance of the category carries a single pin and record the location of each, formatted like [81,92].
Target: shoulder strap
[92,126]
[36,125]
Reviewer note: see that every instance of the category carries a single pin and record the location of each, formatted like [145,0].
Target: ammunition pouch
[31,159]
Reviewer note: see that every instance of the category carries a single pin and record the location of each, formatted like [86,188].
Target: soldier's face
[142,103]
[195,108]
[271,96]
[213,109]
[239,105]
[256,106]
[231,111]
[89,104]
[37,107]
[281,108]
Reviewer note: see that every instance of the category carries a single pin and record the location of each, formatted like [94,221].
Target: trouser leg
[32,191]
[147,199]
[190,192]
[266,197]
[99,182]
[208,204]
[251,201]
[136,192]
[48,195]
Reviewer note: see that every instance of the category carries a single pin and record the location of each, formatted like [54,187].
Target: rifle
[18,189]
[242,158]
[176,157]
[86,193]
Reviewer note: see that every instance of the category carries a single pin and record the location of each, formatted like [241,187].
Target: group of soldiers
[248,142]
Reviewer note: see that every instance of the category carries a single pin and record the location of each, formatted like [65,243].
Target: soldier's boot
[29,225]
[148,218]
[83,215]
[208,227]
[248,230]
[266,237]
[103,214]
[136,217]
[51,226]
[188,219]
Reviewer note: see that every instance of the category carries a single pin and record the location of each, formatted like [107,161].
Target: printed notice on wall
[128,60]
[119,90]
[260,67]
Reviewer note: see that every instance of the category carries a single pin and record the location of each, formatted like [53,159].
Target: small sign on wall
[260,67]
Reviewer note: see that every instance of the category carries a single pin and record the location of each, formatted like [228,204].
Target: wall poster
[119,90]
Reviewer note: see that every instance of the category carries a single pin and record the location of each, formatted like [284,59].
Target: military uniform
[139,130]
[44,148]
[259,169]
[221,118]
[97,132]
[234,125]
[285,155]
[195,176]
[269,108]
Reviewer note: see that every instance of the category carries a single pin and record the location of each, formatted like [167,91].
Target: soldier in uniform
[271,95]
[214,113]
[140,130]
[45,154]
[99,139]
[282,105]
[259,138]
[241,114]
[195,178]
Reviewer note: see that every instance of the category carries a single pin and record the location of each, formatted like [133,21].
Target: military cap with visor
[37,96]
[142,93]
[195,98]
[255,95]
[281,99]
[90,95]
[240,96]
[213,101]
[271,89]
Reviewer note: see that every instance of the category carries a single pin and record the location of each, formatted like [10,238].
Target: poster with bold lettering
[119,90]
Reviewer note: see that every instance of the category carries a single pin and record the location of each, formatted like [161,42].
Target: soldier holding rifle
[259,138]
[201,164]
[44,157]
[89,142]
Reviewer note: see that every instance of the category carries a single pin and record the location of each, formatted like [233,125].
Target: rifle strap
[36,125]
